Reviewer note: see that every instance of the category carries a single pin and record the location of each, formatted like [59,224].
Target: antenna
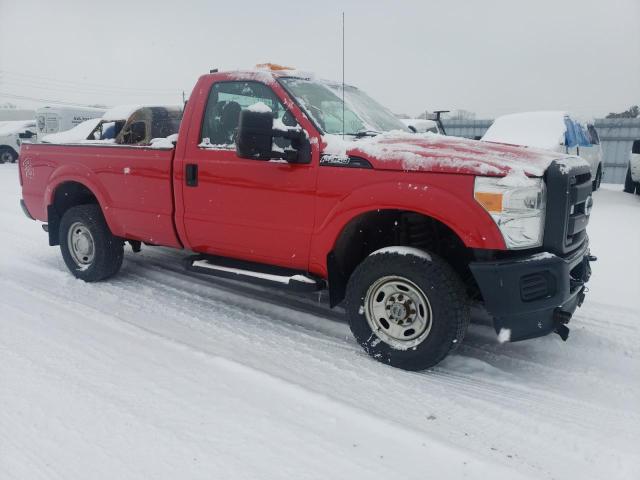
[343,75]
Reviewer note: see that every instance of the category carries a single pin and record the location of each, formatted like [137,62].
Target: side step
[257,273]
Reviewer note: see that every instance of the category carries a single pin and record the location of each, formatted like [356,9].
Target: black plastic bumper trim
[500,285]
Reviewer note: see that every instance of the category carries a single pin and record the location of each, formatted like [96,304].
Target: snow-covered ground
[159,374]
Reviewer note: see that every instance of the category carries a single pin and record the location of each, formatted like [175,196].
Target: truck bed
[133,185]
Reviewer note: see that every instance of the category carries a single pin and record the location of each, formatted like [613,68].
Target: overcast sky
[491,56]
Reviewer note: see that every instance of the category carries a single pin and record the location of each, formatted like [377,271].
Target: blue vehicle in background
[551,130]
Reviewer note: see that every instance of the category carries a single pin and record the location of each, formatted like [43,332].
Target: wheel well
[65,196]
[383,228]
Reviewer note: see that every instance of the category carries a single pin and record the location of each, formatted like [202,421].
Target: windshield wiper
[366,133]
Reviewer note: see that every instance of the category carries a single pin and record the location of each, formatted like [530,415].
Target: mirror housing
[26,134]
[254,139]
[255,135]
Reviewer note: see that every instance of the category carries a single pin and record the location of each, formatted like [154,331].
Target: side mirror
[26,134]
[255,135]
[254,139]
[412,128]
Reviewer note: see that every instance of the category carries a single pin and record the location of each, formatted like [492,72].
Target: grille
[568,195]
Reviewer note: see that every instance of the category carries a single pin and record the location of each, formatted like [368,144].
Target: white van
[553,130]
[60,119]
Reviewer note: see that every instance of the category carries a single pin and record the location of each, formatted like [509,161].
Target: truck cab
[278,179]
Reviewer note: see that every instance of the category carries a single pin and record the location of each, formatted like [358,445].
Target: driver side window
[226,101]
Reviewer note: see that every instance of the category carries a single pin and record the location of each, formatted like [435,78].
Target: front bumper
[534,295]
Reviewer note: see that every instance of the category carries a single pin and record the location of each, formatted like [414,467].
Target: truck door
[261,211]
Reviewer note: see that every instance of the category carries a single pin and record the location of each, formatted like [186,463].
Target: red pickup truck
[282,179]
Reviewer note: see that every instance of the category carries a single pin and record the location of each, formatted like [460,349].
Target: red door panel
[250,209]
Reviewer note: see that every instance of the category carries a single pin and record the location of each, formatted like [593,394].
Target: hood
[438,153]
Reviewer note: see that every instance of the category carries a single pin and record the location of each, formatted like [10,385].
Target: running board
[261,274]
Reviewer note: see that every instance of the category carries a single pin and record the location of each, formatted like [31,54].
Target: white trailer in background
[59,119]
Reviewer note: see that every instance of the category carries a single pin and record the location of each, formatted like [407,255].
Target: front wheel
[88,247]
[629,185]
[406,307]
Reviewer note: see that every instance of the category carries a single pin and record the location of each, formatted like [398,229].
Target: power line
[81,83]
[80,90]
[45,100]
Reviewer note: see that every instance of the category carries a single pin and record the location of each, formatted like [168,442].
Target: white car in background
[553,130]
[11,135]
[632,182]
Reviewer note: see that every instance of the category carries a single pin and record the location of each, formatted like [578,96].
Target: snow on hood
[532,129]
[77,134]
[15,126]
[437,153]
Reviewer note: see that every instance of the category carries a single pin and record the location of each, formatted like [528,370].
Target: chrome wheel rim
[398,312]
[81,245]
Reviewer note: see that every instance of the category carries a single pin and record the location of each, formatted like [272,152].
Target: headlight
[516,207]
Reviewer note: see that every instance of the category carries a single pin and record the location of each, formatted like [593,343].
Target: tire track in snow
[473,394]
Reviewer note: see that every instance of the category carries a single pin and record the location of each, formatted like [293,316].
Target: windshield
[323,103]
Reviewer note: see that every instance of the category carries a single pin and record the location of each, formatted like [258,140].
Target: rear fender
[84,176]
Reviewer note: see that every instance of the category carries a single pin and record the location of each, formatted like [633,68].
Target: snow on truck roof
[533,129]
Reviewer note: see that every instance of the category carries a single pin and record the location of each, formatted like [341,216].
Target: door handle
[191,175]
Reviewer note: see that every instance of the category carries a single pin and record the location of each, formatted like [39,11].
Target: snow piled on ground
[164,375]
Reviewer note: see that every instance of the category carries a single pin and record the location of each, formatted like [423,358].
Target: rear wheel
[407,308]
[88,247]
[629,185]
[8,155]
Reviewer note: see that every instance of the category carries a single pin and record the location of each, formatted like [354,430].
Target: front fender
[446,198]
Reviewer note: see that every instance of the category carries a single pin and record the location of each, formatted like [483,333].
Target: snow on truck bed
[160,374]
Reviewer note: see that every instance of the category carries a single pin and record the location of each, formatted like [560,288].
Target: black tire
[106,253]
[8,154]
[436,280]
[598,180]
[629,185]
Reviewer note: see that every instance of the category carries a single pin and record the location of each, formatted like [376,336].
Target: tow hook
[592,258]
[561,318]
